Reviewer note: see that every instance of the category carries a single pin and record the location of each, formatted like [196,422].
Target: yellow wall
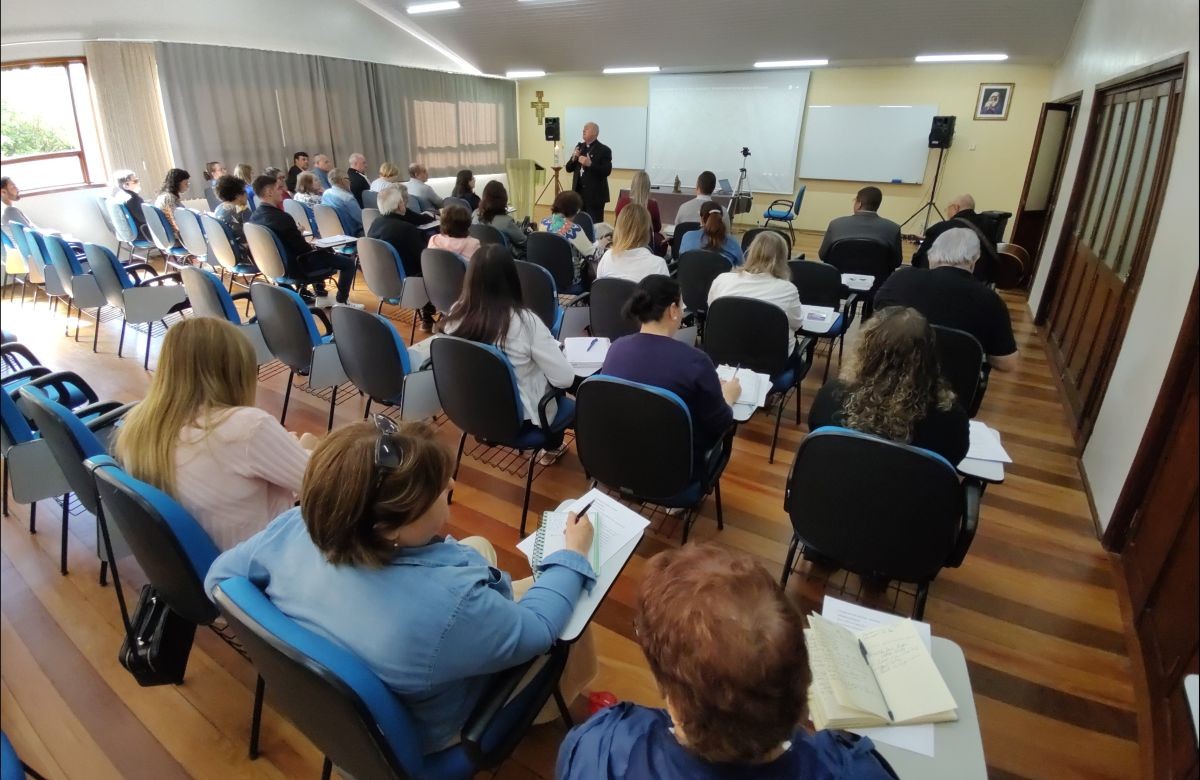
[993,171]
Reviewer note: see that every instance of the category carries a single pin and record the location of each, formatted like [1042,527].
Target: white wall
[1113,37]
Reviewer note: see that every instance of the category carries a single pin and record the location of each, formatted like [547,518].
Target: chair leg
[778,419]
[563,709]
[256,716]
[4,498]
[287,396]
[33,518]
[918,612]
[121,342]
[720,513]
[367,411]
[688,518]
[66,521]
[462,442]
[528,489]
[789,561]
[327,769]
[149,338]
[332,407]
[103,573]
[828,361]
[96,330]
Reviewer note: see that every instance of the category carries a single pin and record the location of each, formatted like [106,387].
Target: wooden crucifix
[540,107]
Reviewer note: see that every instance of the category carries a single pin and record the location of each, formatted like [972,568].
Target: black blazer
[592,182]
[358,185]
[405,238]
[283,226]
[967,218]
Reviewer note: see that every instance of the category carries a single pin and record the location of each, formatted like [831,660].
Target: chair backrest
[110,275]
[961,357]
[70,442]
[819,284]
[452,201]
[266,251]
[369,215]
[552,252]
[538,292]
[123,222]
[14,428]
[874,506]
[1012,263]
[22,239]
[477,388]
[191,233]
[62,258]
[444,273]
[753,233]
[302,214]
[737,331]
[370,200]
[799,199]
[862,256]
[287,325]
[681,230]
[328,220]
[584,220]
[372,354]
[208,296]
[322,688]
[486,234]
[697,270]
[169,545]
[210,195]
[634,438]
[382,267]
[102,204]
[160,230]
[220,242]
[606,302]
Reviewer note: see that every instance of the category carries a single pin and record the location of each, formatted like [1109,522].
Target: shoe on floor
[323,301]
[351,304]
[549,457]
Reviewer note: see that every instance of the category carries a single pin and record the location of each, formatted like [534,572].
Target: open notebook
[615,526]
[755,386]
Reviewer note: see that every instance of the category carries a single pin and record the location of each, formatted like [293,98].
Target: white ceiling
[582,36]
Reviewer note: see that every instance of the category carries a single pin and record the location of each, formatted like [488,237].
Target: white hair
[957,247]
[338,175]
[119,179]
[964,201]
[356,157]
[391,197]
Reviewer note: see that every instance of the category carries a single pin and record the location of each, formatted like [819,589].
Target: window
[48,136]
[466,134]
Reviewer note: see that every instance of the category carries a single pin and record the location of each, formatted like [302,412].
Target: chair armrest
[177,278]
[577,300]
[134,268]
[110,418]
[21,350]
[320,314]
[60,380]
[26,373]
[972,494]
[787,202]
[499,691]
[242,296]
[551,394]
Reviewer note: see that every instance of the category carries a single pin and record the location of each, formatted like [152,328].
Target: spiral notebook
[615,526]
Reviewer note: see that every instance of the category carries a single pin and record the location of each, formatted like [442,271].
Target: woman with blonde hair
[388,174]
[630,256]
[639,193]
[198,436]
[896,390]
[246,173]
[766,277]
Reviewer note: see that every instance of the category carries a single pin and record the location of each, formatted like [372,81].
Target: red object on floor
[598,700]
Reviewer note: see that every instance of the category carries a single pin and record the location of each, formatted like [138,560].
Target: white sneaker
[351,304]
[323,301]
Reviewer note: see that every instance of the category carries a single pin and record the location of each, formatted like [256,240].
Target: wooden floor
[1033,605]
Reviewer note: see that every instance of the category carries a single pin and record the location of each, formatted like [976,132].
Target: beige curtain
[129,108]
[523,181]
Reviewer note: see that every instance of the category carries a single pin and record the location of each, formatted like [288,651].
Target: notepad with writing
[755,386]
[332,241]
[614,524]
[817,319]
[585,351]
[883,676]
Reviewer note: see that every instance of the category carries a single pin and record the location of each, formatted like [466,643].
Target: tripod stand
[930,205]
[555,181]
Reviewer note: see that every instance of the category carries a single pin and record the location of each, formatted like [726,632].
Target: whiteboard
[866,143]
[622,129]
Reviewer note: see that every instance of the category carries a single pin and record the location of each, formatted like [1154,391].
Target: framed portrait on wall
[993,101]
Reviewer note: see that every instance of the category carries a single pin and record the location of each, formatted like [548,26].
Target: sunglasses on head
[388,456]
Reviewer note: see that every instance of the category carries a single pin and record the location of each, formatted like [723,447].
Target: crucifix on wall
[540,107]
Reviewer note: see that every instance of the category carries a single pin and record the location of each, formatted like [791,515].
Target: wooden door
[1108,233]
[1043,179]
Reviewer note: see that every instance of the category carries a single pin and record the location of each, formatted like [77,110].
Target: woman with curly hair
[170,197]
[897,390]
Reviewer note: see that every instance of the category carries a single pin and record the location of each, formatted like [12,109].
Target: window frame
[81,152]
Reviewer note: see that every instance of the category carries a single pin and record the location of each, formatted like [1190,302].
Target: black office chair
[373,357]
[863,256]
[477,389]
[751,333]
[964,365]
[370,199]
[749,236]
[444,273]
[606,302]
[681,230]
[820,284]
[696,272]
[540,294]
[879,509]
[486,234]
[584,220]
[553,252]
[637,440]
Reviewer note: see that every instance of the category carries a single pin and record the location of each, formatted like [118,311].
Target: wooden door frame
[1158,429]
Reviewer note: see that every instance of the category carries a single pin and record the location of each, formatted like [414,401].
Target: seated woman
[455,235]
[726,647]
[655,357]
[713,235]
[233,210]
[639,193]
[126,191]
[493,210]
[630,257]
[365,562]
[246,173]
[407,239]
[198,436]
[308,189]
[170,197]
[388,174]
[766,277]
[281,176]
[464,188]
[897,390]
[561,222]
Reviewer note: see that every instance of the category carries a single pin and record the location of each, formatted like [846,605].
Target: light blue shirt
[347,208]
[432,624]
[322,177]
[731,250]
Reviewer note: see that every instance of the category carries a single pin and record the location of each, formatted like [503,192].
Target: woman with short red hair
[726,647]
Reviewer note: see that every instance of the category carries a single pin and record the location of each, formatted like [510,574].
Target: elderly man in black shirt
[960,213]
[949,295]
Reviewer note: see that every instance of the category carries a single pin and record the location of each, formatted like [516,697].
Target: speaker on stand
[553,135]
[941,136]
[553,129]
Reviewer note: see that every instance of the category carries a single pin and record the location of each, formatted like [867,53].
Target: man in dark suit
[394,227]
[865,222]
[299,166]
[359,183]
[591,163]
[960,212]
[299,257]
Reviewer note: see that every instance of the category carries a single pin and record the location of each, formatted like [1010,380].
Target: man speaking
[591,163]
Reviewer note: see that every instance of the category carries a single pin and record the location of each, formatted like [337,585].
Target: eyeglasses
[388,456]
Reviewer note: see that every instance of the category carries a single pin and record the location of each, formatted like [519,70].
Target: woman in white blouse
[630,256]
[198,437]
[765,277]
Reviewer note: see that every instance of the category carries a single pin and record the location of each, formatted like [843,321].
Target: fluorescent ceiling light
[429,8]
[895,106]
[633,69]
[961,57]
[524,74]
[791,64]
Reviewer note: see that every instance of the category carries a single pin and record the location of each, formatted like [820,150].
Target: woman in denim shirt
[363,562]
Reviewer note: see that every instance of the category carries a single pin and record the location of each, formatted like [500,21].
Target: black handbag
[158,642]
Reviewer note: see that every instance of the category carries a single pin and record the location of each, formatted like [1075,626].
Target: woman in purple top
[655,357]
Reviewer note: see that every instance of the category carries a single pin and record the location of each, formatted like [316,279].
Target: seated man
[865,222]
[407,239]
[726,648]
[359,183]
[322,165]
[9,195]
[948,295]
[706,183]
[300,258]
[299,166]
[339,198]
[960,212]
[421,196]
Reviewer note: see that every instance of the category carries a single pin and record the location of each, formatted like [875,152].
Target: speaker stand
[930,205]
[555,181]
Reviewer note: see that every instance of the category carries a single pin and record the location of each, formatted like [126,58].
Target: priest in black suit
[591,163]
[960,212]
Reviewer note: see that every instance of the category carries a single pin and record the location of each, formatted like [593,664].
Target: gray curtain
[258,107]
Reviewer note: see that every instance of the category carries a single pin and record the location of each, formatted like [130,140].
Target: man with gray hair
[338,198]
[421,197]
[359,183]
[394,227]
[590,165]
[960,213]
[322,165]
[949,295]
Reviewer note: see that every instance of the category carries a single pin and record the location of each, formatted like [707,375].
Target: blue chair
[192,234]
[303,214]
[820,284]
[330,222]
[584,220]
[696,271]
[879,509]
[209,298]
[353,718]
[486,234]
[637,440]
[444,274]
[540,294]
[33,272]
[11,765]
[785,211]
[554,253]
[52,283]
[268,255]
[477,388]
[15,266]
[141,301]
[606,301]
[384,273]
[377,362]
[225,255]
[164,236]
[119,220]
[83,291]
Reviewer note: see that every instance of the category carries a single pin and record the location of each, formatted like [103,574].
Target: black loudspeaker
[552,129]
[941,133]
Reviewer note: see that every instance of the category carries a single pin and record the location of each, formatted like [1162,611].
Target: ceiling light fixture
[961,57]
[791,64]
[631,69]
[524,74]
[429,8]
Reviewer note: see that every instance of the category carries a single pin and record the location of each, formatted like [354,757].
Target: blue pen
[592,344]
